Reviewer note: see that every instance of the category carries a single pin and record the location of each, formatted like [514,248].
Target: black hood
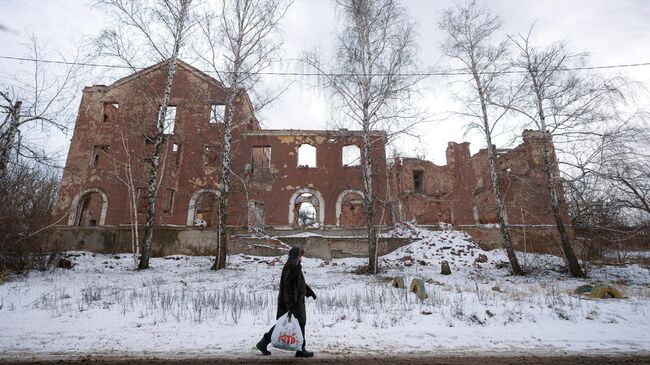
[294,253]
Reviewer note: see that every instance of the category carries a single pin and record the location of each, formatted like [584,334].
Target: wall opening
[418,181]
[351,213]
[169,200]
[306,155]
[217,113]
[170,120]
[261,158]
[351,155]
[206,213]
[306,215]
[176,152]
[109,113]
[98,150]
[210,155]
[306,195]
[89,210]
[256,216]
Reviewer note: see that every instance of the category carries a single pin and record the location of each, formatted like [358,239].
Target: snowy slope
[181,308]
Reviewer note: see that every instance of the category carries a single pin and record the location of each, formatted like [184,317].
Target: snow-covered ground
[180,308]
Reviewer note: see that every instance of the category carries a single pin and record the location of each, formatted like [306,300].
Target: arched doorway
[88,208]
[203,210]
[350,212]
[306,209]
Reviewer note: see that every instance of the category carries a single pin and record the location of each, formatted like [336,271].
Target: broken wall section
[286,169]
[461,193]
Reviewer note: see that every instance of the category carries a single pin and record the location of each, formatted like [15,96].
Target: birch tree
[148,30]
[241,42]
[470,31]
[372,78]
[564,102]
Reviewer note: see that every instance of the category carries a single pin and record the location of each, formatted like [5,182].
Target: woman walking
[293,291]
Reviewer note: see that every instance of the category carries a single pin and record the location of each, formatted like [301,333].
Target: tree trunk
[572,260]
[369,201]
[505,233]
[133,211]
[152,184]
[222,244]
[7,142]
[498,200]
[160,133]
[565,242]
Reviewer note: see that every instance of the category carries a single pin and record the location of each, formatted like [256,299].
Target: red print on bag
[288,338]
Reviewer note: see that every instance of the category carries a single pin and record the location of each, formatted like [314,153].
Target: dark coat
[293,291]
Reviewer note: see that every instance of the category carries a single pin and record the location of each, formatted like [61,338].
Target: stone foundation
[323,244]
[202,242]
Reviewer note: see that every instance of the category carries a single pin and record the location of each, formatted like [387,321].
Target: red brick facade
[269,183]
[461,192]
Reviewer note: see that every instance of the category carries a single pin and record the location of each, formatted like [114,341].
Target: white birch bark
[469,31]
[152,184]
[243,42]
[374,46]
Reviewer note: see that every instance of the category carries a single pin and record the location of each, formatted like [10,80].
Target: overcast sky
[614,32]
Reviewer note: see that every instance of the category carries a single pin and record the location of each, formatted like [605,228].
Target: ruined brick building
[276,173]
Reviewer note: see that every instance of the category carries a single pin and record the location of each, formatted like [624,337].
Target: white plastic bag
[287,334]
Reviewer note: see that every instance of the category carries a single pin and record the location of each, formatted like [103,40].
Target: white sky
[614,32]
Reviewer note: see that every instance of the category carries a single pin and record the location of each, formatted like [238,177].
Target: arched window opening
[306,210]
[306,215]
[89,210]
[351,155]
[306,155]
[207,208]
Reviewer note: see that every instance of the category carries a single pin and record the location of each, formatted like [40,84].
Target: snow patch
[102,306]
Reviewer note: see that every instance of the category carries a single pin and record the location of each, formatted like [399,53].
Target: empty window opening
[176,150]
[256,216]
[261,156]
[217,113]
[142,198]
[170,120]
[209,155]
[89,210]
[306,215]
[97,151]
[169,200]
[207,210]
[351,155]
[306,156]
[418,181]
[109,113]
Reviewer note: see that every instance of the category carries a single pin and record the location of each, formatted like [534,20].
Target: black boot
[262,346]
[304,353]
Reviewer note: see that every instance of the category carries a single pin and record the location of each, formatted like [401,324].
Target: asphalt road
[456,360]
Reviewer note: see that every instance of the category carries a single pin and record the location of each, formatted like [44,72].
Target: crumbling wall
[121,118]
[280,185]
[461,192]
